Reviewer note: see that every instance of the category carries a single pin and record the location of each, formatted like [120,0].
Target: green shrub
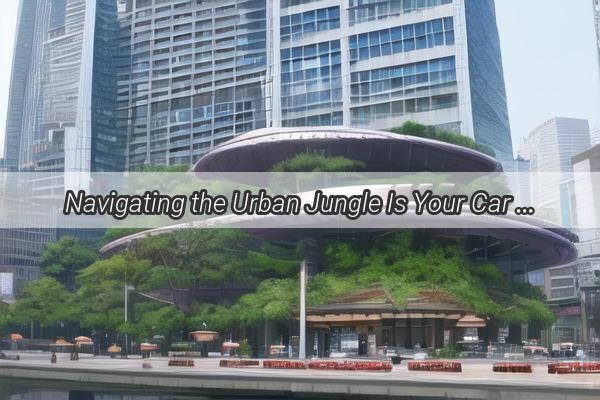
[411,128]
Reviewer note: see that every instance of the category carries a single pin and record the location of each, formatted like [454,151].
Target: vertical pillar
[126,317]
[302,349]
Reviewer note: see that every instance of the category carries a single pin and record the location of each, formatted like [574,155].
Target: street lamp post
[302,349]
[127,289]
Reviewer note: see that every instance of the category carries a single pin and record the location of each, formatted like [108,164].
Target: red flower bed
[239,363]
[323,365]
[513,367]
[574,368]
[371,365]
[284,364]
[435,366]
[351,365]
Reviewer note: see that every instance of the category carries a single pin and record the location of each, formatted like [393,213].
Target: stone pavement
[477,381]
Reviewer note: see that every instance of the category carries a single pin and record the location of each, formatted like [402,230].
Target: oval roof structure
[259,150]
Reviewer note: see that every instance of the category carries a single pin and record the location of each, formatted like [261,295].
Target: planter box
[513,367]
[284,364]
[181,363]
[239,363]
[435,366]
[376,366]
[574,368]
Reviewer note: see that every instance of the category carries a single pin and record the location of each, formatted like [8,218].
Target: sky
[548,50]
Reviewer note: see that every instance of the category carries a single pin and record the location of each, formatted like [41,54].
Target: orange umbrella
[204,336]
[230,345]
[114,349]
[61,342]
[83,340]
[16,336]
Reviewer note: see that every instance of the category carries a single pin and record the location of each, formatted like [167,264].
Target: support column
[302,349]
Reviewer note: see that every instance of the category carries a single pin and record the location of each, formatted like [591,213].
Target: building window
[401,39]
[363,11]
[295,26]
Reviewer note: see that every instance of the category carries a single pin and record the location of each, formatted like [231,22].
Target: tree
[154,319]
[5,317]
[45,301]
[403,264]
[190,257]
[63,259]
[100,296]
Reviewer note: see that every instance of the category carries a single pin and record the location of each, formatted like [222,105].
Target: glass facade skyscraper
[63,89]
[114,84]
[551,146]
[62,109]
[434,61]
[201,72]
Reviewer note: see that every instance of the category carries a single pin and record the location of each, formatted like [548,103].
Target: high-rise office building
[197,77]
[61,111]
[62,104]
[202,72]
[552,145]
[595,136]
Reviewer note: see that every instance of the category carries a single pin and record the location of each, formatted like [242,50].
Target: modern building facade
[197,76]
[61,111]
[63,88]
[551,147]
[204,72]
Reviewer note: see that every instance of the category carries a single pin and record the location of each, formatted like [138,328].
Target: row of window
[383,80]
[401,39]
[371,10]
[311,77]
[310,50]
[363,116]
[296,25]
[330,119]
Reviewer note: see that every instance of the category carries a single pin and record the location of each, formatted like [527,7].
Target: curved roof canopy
[259,150]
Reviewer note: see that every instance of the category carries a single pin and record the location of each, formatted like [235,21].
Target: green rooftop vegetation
[402,263]
[412,128]
[315,162]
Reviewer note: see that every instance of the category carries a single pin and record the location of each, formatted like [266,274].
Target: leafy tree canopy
[46,301]
[399,264]
[412,128]
[315,162]
[63,259]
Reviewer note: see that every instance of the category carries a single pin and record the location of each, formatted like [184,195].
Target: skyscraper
[62,102]
[197,77]
[203,72]
[552,145]
[62,110]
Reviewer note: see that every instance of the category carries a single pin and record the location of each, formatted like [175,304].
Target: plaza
[476,381]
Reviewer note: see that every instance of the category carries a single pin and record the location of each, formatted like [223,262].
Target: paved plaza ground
[477,381]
